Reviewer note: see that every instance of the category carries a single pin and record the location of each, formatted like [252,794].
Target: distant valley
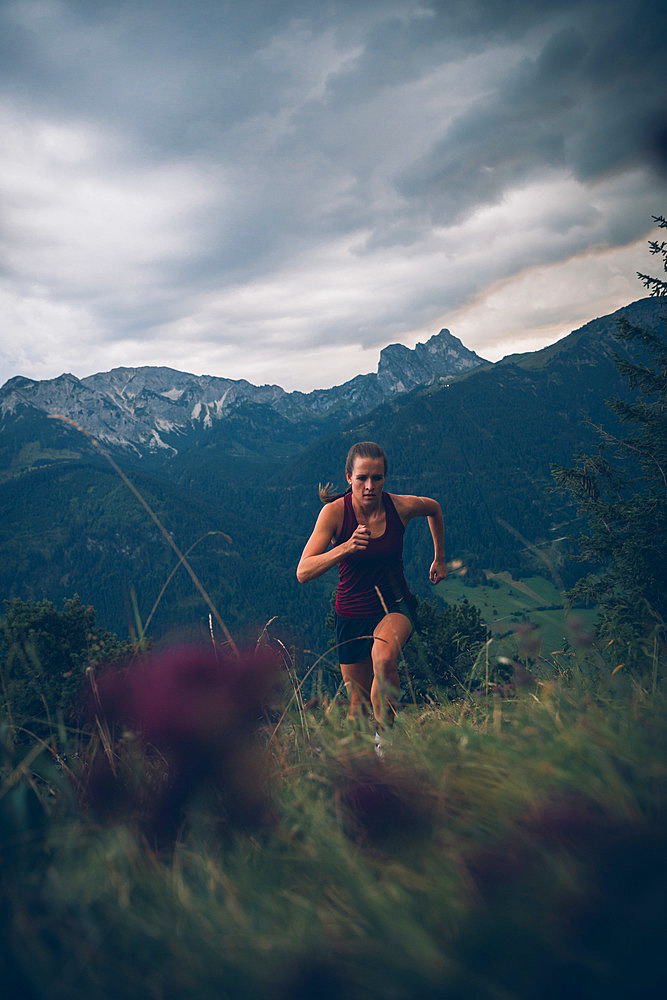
[213,455]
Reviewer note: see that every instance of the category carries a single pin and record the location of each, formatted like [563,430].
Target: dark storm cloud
[592,101]
[153,68]
[304,172]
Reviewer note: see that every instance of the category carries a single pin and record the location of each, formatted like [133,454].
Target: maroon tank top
[379,565]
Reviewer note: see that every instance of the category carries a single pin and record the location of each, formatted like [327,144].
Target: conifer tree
[621,492]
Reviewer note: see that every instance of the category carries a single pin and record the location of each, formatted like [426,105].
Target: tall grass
[502,848]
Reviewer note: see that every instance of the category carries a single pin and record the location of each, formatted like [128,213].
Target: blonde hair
[362,449]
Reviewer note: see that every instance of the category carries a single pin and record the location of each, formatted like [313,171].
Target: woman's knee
[385,660]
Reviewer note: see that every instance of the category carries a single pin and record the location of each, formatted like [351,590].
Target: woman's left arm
[409,507]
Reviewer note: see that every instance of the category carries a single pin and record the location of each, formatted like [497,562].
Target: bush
[44,654]
[443,649]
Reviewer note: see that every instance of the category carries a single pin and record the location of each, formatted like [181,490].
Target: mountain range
[234,474]
[156,409]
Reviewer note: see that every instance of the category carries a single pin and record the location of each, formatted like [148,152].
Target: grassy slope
[506,849]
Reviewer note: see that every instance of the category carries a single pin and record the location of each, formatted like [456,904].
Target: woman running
[362,531]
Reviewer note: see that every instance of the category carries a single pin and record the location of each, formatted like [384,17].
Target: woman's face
[367,478]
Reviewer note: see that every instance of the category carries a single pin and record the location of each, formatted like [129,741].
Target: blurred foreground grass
[502,848]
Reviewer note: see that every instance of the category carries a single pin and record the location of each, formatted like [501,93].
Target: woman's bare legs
[357,678]
[390,635]
[374,681]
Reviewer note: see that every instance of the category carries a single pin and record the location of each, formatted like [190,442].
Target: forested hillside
[483,444]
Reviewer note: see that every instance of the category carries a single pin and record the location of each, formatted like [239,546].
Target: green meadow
[505,603]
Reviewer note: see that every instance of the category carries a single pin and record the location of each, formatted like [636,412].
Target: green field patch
[32,455]
[505,603]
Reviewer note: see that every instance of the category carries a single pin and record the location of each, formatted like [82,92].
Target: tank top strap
[349,519]
[392,514]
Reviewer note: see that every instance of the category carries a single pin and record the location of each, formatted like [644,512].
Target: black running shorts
[354,636]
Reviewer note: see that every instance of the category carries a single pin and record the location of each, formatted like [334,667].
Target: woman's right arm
[317,557]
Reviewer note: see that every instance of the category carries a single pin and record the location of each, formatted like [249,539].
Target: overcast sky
[275,190]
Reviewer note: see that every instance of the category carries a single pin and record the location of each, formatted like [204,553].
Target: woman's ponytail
[327,494]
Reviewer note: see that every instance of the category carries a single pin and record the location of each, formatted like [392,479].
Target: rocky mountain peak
[401,369]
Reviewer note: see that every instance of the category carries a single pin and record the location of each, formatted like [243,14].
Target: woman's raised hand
[359,539]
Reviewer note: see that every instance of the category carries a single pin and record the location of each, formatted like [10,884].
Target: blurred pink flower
[198,707]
